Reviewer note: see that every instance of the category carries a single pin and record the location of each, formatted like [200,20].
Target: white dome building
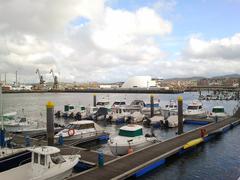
[139,82]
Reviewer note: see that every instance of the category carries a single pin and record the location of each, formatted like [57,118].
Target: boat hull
[123,149]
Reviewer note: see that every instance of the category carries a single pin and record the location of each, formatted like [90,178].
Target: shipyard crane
[55,80]
[41,81]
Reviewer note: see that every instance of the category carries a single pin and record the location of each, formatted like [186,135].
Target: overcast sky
[111,40]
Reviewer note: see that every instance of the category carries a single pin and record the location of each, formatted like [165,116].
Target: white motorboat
[46,163]
[126,114]
[23,125]
[9,116]
[137,104]
[118,114]
[171,121]
[130,137]
[80,130]
[103,103]
[161,121]
[218,112]
[171,108]
[118,104]
[195,110]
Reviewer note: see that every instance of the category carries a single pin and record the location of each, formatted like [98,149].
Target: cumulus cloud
[51,34]
[205,58]
[226,48]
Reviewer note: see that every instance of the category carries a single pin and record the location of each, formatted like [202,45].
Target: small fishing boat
[195,110]
[46,163]
[171,108]
[126,114]
[130,137]
[137,103]
[20,124]
[118,104]
[161,121]
[218,112]
[103,103]
[80,130]
[9,116]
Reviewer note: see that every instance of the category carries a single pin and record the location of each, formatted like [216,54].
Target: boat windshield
[118,103]
[130,133]
[80,126]
[218,110]
[102,103]
[194,107]
[57,158]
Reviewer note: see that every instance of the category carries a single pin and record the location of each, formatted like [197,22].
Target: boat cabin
[103,103]
[80,125]
[119,103]
[194,106]
[218,109]
[131,131]
[70,107]
[138,103]
[45,157]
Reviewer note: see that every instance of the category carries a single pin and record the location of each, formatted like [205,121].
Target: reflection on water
[218,159]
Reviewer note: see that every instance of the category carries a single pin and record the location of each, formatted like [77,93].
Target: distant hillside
[227,76]
[187,78]
[201,77]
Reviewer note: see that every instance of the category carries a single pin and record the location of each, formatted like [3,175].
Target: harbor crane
[40,77]
[55,80]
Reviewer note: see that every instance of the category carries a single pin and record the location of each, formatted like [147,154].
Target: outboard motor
[78,116]
[71,115]
[146,122]
[102,112]
[166,124]
[128,120]
[58,114]
[161,123]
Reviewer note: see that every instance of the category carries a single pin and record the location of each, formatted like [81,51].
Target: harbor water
[218,159]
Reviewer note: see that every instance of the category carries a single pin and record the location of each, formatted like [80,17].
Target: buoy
[71,132]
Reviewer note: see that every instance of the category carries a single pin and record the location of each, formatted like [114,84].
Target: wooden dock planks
[125,164]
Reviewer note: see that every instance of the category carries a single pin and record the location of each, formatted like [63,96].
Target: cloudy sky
[111,40]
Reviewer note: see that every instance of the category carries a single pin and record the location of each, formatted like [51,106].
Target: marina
[157,156]
[115,90]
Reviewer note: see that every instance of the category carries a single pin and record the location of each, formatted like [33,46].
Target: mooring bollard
[100,159]
[180,115]
[50,123]
[27,141]
[94,100]
[151,105]
[60,140]
[2,138]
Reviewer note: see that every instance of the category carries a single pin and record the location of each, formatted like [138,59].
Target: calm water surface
[218,159]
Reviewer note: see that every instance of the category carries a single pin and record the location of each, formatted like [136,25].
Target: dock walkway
[125,166]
